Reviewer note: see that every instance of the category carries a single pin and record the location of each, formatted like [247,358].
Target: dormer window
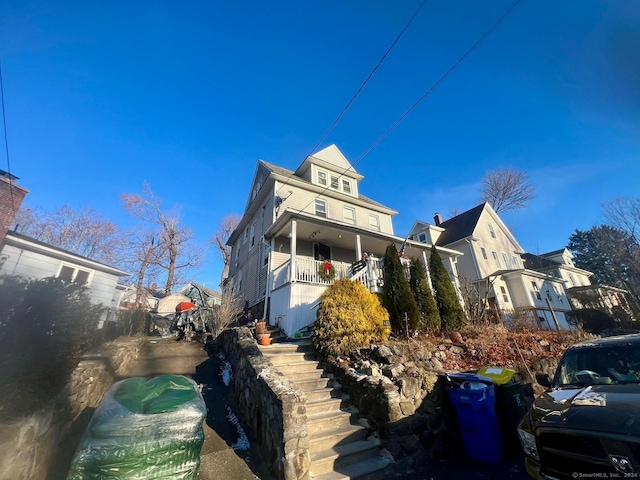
[322,178]
[346,186]
[335,182]
[422,237]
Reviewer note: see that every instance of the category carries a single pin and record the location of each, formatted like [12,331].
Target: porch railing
[308,271]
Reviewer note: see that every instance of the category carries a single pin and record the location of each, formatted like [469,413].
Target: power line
[425,95]
[6,142]
[438,82]
[344,110]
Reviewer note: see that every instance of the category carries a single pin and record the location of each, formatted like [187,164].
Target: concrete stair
[339,448]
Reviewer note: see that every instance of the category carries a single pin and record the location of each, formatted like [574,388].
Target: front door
[321,251]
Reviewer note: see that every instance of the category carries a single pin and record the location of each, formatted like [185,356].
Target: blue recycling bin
[474,399]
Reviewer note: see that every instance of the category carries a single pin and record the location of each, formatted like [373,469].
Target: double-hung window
[506,260]
[374,222]
[253,235]
[321,208]
[322,178]
[484,253]
[505,297]
[536,291]
[491,231]
[346,186]
[349,215]
[335,182]
[496,259]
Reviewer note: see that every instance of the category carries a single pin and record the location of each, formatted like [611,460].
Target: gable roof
[535,262]
[460,226]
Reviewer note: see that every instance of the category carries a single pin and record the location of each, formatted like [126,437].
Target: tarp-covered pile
[144,429]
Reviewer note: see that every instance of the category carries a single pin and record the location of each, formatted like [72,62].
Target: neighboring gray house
[24,256]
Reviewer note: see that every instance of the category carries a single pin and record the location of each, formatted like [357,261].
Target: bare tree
[83,232]
[506,189]
[219,240]
[176,241]
[624,214]
[144,252]
[228,311]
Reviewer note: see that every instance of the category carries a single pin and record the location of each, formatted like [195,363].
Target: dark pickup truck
[587,423]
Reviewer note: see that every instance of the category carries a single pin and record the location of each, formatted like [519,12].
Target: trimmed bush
[396,293]
[349,318]
[451,312]
[45,327]
[429,315]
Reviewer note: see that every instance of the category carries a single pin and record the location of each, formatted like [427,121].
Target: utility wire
[344,110]
[6,142]
[438,82]
[425,95]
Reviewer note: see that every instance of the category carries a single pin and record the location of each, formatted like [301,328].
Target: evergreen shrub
[429,315]
[45,327]
[452,314]
[349,318]
[397,297]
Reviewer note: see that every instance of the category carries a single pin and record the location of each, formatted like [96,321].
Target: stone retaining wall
[269,404]
[28,446]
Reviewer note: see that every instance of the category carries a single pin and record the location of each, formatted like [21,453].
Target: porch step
[322,422]
[372,469]
[335,458]
[338,446]
[336,436]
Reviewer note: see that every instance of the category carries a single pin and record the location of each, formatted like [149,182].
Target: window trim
[351,221]
[496,259]
[376,224]
[75,271]
[318,201]
[326,177]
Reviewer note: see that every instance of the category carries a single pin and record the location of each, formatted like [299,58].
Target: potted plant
[262,334]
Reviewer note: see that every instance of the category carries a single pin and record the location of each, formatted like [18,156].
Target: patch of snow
[243,442]
[226,373]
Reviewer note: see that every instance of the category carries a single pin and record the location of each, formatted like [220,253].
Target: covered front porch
[300,247]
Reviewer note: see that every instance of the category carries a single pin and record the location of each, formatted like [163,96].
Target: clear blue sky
[101,96]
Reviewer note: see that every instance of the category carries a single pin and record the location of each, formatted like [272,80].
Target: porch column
[294,234]
[358,248]
[427,273]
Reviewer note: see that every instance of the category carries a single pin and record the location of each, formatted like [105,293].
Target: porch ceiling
[316,229]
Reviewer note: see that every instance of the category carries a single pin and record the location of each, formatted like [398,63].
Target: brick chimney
[437,218]
[11,197]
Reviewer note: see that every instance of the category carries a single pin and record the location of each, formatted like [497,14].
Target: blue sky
[101,96]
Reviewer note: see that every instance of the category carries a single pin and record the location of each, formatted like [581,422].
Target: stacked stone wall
[270,405]
[29,445]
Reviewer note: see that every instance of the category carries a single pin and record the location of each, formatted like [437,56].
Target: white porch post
[427,273]
[294,234]
[358,248]
[267,292]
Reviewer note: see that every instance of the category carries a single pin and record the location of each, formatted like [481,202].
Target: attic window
[322,178]
[422,237]
[335,182]
[493,234]
[346,186]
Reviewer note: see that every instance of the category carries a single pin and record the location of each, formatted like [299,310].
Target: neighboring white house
[24,256]
[296,221]
[492,263]
[581,292]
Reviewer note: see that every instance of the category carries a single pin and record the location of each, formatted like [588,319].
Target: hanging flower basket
[326,271]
